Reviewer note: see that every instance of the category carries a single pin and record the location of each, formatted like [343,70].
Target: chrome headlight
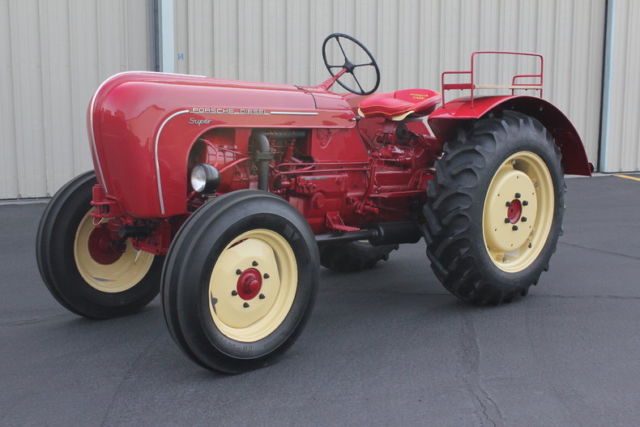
[204,178]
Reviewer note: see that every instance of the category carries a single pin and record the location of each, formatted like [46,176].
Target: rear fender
[446,119]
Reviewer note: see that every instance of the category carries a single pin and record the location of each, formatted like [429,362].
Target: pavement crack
[32,321]
[126,376]
[602,251]
[490,413]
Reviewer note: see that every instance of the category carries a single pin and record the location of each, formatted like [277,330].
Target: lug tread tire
[459,262]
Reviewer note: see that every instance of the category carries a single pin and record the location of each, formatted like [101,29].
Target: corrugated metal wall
[54,54]
[413,41]
[621,134]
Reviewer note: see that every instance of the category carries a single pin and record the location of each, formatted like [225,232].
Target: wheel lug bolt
[514,228]
[523,219]
[525,203]
[518,195]
[507,220]
[266,275]
[254,263]
[245,305]
[508,204]
[234,293]
[261,296]
[238,272]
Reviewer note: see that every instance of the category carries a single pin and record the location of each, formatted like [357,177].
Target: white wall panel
[56,52]
[54,55]
[622,132]
[27,90]
[8,146]
[413,41]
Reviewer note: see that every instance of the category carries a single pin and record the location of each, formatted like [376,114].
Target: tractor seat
[400,104]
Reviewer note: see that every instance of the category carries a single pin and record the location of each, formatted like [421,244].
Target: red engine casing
[145,126]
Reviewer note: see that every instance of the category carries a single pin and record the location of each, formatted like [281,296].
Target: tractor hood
[141,126]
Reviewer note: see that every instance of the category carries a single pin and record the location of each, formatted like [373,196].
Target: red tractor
[227,196]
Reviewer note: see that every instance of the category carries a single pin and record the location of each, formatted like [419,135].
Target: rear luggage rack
[472,86]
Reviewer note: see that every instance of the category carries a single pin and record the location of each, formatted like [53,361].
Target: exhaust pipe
[264,155]
[390,233]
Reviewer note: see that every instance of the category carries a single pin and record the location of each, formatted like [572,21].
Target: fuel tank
[142,125]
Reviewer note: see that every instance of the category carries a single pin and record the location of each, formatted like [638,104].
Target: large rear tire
[494,210]
[85,270]
[239,281]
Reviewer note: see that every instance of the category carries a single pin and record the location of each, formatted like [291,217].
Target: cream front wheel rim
[253,285]
[130,267]
[518,211]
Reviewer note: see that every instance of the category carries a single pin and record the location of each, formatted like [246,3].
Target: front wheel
[494,210]
[86,266]
[239,281]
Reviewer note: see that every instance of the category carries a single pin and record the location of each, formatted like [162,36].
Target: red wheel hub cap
[249,284]
[514,211]
[103,248]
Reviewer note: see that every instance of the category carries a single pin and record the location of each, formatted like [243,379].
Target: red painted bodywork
[140,119]
[342,171]
[445,119]
[415,102]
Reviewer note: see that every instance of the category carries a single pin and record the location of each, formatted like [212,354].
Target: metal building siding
[8,147]
[55,54]
[413,41]
[623,136]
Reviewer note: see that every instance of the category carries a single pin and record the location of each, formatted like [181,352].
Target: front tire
[494,210]
[85,270]
[239,281]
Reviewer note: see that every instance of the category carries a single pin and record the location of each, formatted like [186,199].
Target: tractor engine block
[381,181]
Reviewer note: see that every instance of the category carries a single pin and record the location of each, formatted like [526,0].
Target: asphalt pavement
[384,347]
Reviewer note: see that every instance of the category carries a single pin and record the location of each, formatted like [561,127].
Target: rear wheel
[353,256]
[494,211]
[88,269]
[240,280]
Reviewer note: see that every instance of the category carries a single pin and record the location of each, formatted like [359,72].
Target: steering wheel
[349,66]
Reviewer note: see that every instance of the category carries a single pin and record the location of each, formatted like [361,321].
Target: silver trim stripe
[293,113]
[157,158]
[92,136]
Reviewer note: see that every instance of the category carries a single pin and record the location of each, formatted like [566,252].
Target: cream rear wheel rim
[518,211]
[123,274]
[243,307]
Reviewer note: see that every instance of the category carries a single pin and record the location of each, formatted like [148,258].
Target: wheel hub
[249,284]
[106,262]
[246,282]
[511,203]
[252,285]
[103,248]
[518,211]
[514,211]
